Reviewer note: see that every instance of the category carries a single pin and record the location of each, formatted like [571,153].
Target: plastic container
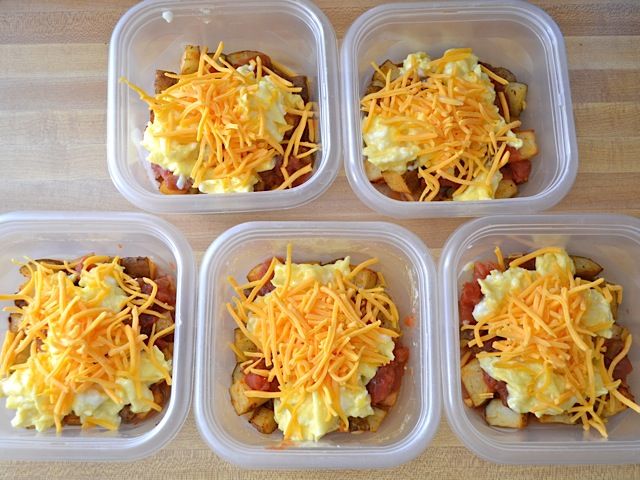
[410,273]
[513,34]
[152,35]
[611,240]
[69,235]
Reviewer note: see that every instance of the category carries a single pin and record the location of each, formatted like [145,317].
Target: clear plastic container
[611,240]
[512,34]
[152,35]
[69,235]
[410,274]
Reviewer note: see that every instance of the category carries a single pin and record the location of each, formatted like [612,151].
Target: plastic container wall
[152,35]
[611,240]
[512,34]
[69,235]
[409,272]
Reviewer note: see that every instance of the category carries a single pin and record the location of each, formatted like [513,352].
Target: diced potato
[243,57]
[264,420]
[241,403]
[163,82]
[358,424]
[585,267]
[376,419]
[237,373]
[613,407]
[14,321]
[242,342]
[136,267]
[529,147]
[516,94]
[161,394]
[164,188]
[561,418]
[366,279]
[190,59]
[374,174]
[386,67]
[497,415]
[473,381]
[24,271]
[390,401]
[501,72]
[506,189]
[528,265]
[395,182]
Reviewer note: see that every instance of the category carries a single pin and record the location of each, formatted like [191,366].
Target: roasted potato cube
[366,279]
[14,322]
[241,403]
[242,342]
[473,381]
[529,147]
[237,374]
[506,189]
[528,265]
[516,94]
[386,67]
[190,59]
[358,424]
[585,267]
[301,81]
[613,407]
[376,419]
[264,420]
[390,401]
[497,415]
[243,57]
[161,394]
[163,82]
[71,419]
[395,182]
[501,72]
[136,267]
[561,418]
[374,174]
[24,271]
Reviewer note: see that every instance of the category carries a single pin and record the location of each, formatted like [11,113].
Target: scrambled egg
[525,383]
[180,158]
[312,416]
[35,410]
[388,154]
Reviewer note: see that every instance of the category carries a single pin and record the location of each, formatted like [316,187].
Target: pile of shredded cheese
[206,107]
[542,324]
[74,344]
[313,337]
[451,119]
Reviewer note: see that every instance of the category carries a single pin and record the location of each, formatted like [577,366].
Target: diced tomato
[469,298]
[481,270]
[388,378]
[517,171]
[514,155]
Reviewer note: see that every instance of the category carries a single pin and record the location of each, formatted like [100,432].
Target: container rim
[555,452]
[114,448]
[326,167]
[523,13]
[324,458]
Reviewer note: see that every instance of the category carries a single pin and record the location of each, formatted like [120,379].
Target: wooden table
[53,78]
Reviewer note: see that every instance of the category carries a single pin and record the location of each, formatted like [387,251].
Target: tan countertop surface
[53,88]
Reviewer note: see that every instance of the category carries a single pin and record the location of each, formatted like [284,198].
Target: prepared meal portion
[446,129]
[235,122]
[539,339]
[317,348]
[90,342]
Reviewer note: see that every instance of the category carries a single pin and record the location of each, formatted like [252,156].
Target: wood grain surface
[53,78]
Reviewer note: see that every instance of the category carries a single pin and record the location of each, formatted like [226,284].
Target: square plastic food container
[511,34]
[410,274]
[152,35]
[611,240]
[68,235]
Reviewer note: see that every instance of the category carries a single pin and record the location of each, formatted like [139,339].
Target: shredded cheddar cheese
[445,119]
[313,336]
[236,117]
[540,331]
[75,338]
